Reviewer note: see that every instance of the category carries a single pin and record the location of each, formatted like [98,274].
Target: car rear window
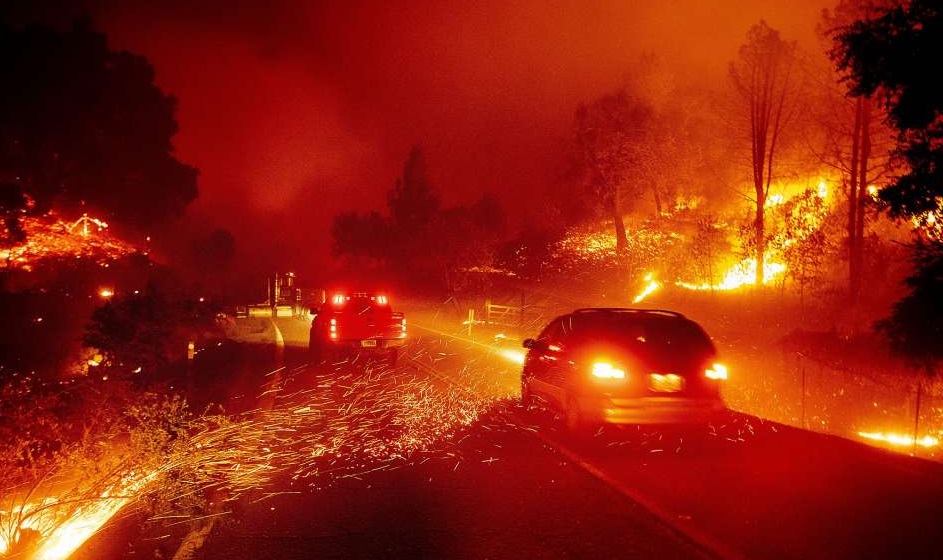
[640,333]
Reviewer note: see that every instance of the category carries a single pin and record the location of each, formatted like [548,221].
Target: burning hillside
[50,237]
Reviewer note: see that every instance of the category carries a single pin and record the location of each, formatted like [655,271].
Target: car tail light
[605,370]
[333,328]
[716,371]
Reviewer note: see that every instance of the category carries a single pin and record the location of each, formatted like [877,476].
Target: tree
[890,55]
[857,142]
[13,203]
[82,124]
[914,327]
[413,201]
[142,332]
[610,143]
[763,78]
[422,240]
[365,236]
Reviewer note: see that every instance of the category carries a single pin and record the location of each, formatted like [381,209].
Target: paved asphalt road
[510,484]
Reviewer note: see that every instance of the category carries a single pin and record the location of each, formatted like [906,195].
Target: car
[598,366]
[355,322]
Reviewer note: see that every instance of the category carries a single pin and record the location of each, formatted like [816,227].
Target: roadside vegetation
[797,216]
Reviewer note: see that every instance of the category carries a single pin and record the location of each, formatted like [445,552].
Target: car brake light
[603,370]
[716,371]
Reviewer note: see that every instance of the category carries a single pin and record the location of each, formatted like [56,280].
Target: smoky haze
[295,111]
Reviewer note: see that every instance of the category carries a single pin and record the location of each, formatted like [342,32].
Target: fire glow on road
[900,440]
[354,420]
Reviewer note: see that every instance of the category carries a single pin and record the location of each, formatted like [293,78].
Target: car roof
[628,311]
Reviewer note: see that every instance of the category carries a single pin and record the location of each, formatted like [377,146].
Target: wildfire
[931,222]
[900,440]
[742,274]
[49,237]
[650,286]
[355,420]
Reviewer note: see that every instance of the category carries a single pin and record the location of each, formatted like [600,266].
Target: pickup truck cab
[355,322]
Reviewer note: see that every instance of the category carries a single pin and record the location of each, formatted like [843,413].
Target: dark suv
[624,366]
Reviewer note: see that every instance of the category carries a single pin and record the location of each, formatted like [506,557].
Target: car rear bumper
[653,410]
[358,344]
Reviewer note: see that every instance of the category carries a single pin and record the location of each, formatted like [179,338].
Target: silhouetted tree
[361,236]
[611,148]
[763,78]
[13,203]
[413,201]
[914,327]
[80,123]
[891,55]
[421,240]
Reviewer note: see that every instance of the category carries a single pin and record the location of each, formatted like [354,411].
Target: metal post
[917,414]
[802,370]
[520,321]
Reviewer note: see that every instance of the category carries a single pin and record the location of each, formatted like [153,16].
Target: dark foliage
[13,203]
[894,55]
[420,241]
[914,327]
[148,330]
[80,123]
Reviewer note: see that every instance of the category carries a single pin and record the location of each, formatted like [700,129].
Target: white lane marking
[279,339]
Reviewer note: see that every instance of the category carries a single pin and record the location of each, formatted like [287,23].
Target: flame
[742,274]
[64,527]
[900,440]
[49,237]
[930,222]
[650,287]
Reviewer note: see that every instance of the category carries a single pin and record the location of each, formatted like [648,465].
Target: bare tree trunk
[853,199]
[621,242]
[657,198]
[857,255]
[760,236]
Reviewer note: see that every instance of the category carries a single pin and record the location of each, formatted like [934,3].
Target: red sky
[294,110]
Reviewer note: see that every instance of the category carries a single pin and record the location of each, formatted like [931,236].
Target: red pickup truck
[353,322]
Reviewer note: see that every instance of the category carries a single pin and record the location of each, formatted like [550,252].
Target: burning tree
[763,79]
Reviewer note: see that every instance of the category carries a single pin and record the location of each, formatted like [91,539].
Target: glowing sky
[294,111]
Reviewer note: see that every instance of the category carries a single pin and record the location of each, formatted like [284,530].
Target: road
[436,459]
